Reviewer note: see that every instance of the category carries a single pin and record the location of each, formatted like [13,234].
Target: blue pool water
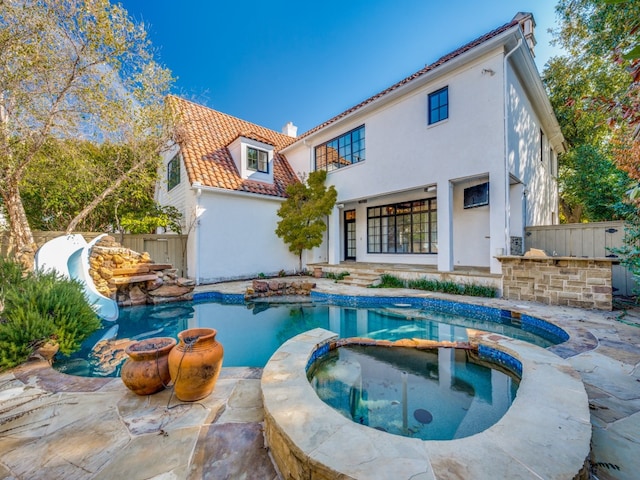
[251,333]
[439,394]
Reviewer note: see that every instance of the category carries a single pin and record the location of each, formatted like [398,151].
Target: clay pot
[146,371]
[195,363]
[46,351]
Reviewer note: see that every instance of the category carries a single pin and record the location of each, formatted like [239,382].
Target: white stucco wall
[404,155]
[530,158]
[236,237]
[177,196]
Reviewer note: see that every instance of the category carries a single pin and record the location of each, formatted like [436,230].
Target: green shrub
[471,289]
[390,281]
[336,276]
[629,252]
[38,307]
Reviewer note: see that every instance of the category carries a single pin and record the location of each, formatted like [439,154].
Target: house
[228,178]
[445,168]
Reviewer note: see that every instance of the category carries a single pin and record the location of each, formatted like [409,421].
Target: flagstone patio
[54,425]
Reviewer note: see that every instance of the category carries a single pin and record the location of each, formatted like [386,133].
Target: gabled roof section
[204,135]
[428,68]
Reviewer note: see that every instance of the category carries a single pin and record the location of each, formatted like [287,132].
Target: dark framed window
[439,105]
[341,151]
[408,227]
[257,160]
[173,172]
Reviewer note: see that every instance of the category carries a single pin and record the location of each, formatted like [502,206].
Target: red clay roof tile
[204,135]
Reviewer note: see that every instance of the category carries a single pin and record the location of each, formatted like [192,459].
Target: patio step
[360,279]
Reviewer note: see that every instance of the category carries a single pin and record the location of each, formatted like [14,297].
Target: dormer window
[253,158]
[257,160]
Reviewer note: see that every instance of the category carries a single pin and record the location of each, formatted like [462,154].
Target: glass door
[350,235]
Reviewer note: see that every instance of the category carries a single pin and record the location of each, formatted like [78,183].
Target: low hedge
[37,307]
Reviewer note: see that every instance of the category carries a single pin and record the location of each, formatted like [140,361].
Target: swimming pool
[252,332]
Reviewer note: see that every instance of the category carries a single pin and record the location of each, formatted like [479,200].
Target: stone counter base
[566,281]
[545,434]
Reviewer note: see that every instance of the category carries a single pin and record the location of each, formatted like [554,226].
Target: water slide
[69,256]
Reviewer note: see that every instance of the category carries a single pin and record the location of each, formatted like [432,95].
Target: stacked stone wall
[269,288]
[132,278]
[568,281]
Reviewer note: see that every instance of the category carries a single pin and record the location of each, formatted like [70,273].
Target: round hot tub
[545,433]
[434,394]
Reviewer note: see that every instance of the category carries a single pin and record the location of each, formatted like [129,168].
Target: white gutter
[507,223]
[225,191]
[197,246]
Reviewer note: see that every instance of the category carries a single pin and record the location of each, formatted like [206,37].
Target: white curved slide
[69,256]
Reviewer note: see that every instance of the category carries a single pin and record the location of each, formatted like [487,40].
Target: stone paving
[59,426]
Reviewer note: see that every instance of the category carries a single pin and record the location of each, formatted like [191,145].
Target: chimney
[290,129]
[528,25]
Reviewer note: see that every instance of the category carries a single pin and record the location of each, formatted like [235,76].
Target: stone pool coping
[545,434]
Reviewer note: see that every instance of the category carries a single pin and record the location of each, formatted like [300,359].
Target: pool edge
[306,437]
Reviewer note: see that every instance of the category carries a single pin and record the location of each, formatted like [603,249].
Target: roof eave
[525,65]
[440,70]
[226,191]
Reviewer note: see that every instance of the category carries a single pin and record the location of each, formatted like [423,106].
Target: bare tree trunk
[104,194]
[21,240]
[571,214]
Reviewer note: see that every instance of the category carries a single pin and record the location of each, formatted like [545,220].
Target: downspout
[197,247]
[507,223]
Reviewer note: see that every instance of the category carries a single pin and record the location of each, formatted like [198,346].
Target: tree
[586,88]
[302,226]
[66,174]
[601,37]
[74,69]
[592,187]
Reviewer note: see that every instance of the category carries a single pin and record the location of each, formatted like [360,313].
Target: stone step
[137,270]
[159,266]
[133,279]
[360,279]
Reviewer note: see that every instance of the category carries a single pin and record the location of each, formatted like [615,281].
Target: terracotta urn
[47,350]
[195,363]
[146,371]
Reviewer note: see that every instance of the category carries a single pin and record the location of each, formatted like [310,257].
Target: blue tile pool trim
[484,352]
[234,298]
[320,351]
[479,312]
[500,357]
[541,327]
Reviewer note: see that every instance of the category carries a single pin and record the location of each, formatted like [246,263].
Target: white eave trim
[225,191]
[443,69]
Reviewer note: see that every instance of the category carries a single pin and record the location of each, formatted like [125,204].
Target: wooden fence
[584,240]
[162,248]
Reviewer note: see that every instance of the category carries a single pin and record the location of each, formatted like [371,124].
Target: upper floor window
[341,151]
[439,105]
[173,172]
[257,160]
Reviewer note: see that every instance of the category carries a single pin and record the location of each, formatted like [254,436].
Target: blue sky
[270,62]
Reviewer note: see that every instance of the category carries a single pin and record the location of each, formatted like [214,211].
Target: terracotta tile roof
[204,135]
[419,73]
